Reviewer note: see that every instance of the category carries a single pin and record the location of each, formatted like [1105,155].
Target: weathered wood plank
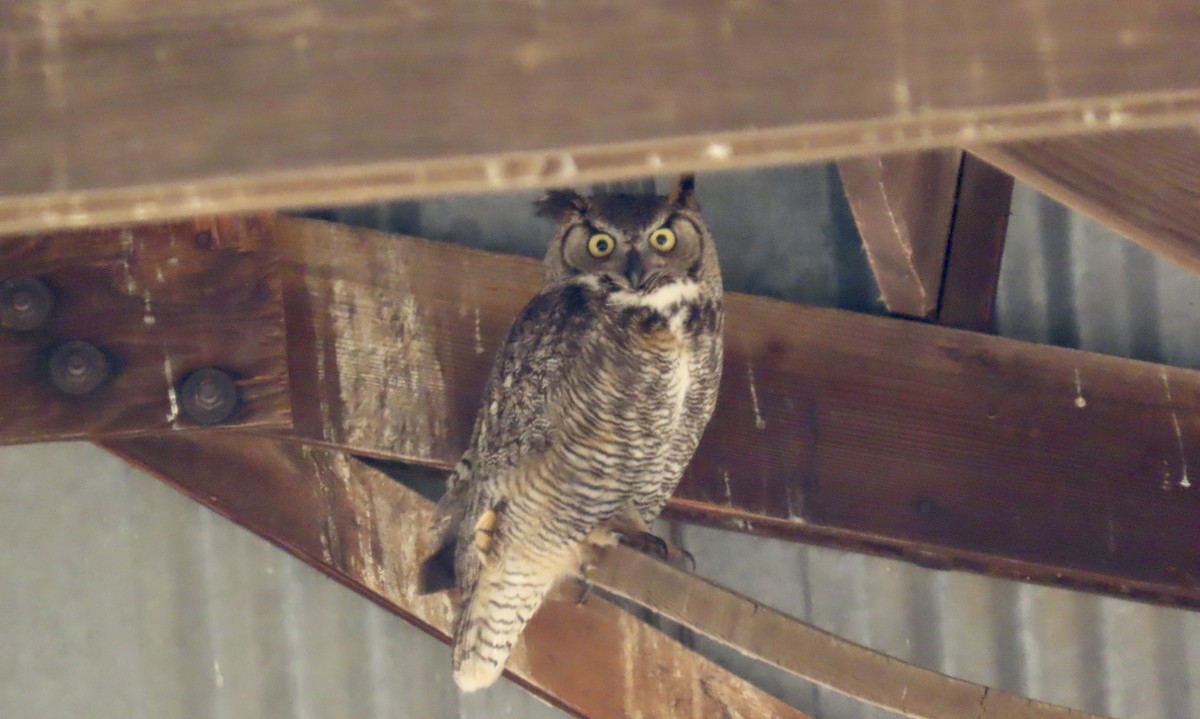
[903,205]
[940,446]
[976,247]
[370,532]
[782,641]
[115,111]
[1142,184]
[160,301]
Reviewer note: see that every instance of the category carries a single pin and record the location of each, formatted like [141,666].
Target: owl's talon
[585,582]
[656,546]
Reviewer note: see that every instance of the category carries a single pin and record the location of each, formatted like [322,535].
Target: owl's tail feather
[492,617]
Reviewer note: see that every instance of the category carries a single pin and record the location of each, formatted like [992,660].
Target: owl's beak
[635,271]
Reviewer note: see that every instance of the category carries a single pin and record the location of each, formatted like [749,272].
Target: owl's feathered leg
[437,571]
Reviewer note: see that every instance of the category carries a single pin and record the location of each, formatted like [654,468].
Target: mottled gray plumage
[594,406]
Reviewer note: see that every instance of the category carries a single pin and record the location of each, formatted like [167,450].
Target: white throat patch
[661,299]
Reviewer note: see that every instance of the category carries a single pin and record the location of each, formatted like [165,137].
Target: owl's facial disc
[639,242]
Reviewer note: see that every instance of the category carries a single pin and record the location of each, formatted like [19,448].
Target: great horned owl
[594,406]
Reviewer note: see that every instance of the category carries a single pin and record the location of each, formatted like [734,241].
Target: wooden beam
[364,529]
[903,205]
[1141,184]
[358,525]
[944,447]
[781,641]
[976,247]
[112,113]
[156,302]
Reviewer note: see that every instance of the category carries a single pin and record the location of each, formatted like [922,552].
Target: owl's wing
[517,419]
[542,351]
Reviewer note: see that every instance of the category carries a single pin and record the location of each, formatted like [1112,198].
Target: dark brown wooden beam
[781,641]
[155,303]
[112,114]
[903,205]
[947,448]
[976,247]
[1142,184]
[369,532]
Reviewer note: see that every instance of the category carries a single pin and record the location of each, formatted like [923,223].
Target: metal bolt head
[25,303]
[208,396]
[78,367]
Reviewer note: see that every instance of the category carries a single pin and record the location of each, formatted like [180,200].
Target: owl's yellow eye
[663,239]
[600,245]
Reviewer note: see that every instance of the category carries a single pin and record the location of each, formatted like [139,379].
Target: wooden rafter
[903,205]
[361,527]
[976,246]
[773,637]
[944,447]
[1145,185]
[933,225]
[364,529]
[113,113]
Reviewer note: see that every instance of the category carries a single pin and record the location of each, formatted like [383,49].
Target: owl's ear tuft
[559,204]
[683,194]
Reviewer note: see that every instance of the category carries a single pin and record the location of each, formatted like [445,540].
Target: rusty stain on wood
[271,120]
[1141,184]
[943,447]
[368,531]
[903,205]
[159,301]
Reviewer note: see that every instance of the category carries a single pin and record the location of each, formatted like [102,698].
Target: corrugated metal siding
[121,598]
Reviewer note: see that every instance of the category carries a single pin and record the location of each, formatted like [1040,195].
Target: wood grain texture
[943,447]
[903,205]
[976,247]
[143,110]
[1145,185]
[804,650]
[161,301]
[368,531]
